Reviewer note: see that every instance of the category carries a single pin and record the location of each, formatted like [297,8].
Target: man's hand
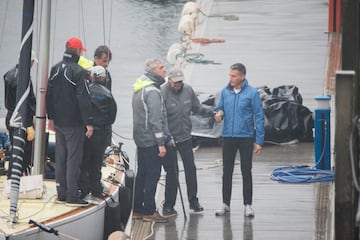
[218,116]
[257,148]
[162,151]
[89,131]
[169,141]
[51,125]
[30,133]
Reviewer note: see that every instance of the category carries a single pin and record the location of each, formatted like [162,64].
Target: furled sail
[19,116]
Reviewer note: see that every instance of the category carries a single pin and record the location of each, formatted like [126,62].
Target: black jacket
[103,106]
[68,97]
[10,85]
[108,80]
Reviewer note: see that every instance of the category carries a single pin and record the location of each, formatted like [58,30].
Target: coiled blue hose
[301,174]
[304,173]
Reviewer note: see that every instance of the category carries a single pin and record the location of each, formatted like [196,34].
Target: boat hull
[70,222]
[87,224]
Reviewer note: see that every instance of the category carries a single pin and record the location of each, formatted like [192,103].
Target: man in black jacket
[102,57]
[103,115]
[68,107]
[10,85]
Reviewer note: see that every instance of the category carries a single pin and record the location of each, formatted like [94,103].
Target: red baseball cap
[75,42]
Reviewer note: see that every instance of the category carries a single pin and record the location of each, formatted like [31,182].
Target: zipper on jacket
[233,122]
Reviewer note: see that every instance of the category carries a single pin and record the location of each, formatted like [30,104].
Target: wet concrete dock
[280,42]
[282,210]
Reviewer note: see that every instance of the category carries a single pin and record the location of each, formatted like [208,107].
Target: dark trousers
[170,164]
[147,177]
[68,158]
[90,177]
[230,148]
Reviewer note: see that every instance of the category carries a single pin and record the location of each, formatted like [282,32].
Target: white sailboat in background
[43,218]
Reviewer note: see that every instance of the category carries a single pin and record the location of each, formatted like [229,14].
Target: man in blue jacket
[240,107]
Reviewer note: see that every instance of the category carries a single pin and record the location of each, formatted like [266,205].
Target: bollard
[322,133]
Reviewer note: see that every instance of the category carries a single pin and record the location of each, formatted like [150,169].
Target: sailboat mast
[40,121]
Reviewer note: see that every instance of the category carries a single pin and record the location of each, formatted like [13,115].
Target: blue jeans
[230,148]
[147,177]
[170,164]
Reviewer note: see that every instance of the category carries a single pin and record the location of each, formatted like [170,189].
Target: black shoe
[77,203]
[82,194]
[196,207]
[169,212]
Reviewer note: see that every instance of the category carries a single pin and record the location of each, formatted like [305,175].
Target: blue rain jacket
[243,113]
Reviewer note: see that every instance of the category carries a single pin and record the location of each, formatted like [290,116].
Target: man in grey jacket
[149,132]
[180,101]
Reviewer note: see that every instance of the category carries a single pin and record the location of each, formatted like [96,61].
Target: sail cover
[18,118]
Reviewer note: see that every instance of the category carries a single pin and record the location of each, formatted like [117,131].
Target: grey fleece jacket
[179,106]
[149,113]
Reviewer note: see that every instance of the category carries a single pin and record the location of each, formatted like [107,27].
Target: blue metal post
[322,133]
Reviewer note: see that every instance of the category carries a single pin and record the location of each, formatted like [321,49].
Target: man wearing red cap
[68,106]
[75,43]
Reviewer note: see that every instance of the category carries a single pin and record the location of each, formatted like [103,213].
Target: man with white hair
[103,114]
[149,133]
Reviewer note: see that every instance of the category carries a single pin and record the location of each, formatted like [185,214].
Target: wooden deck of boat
[281,42]
[45,209]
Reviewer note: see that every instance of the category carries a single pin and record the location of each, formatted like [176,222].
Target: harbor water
[134,31]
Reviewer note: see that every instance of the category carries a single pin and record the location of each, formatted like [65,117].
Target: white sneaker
[87,197]
[223,210]
[248,212]
[92,199]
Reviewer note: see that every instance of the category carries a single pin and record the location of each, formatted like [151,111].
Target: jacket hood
[69,56]
[158,80]
[142,82]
